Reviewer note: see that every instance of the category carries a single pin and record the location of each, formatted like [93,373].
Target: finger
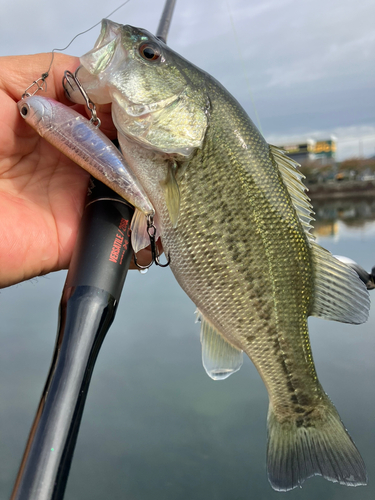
[103,110]
[18,72]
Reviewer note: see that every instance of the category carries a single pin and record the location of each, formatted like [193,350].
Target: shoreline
[341,189]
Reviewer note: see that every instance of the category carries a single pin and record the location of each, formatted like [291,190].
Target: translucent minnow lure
[81,141]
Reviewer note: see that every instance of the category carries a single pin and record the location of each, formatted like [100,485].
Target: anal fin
[220,359]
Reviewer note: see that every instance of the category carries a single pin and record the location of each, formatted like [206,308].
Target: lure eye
[24,110]
[149,51]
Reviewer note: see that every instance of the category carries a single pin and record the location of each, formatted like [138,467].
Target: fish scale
[234,219]
[257,221]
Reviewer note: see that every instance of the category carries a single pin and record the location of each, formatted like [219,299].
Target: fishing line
[242,59]
[41,82]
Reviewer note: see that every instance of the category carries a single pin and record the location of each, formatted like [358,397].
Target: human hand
[42,192]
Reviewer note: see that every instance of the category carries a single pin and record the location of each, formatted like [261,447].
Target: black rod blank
[165,21]
[88,305]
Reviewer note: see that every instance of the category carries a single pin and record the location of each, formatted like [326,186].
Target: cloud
[309,64]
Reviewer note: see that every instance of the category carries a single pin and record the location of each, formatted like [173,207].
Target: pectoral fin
[172,194]
[220,359]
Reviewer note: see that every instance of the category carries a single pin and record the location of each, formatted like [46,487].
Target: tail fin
[298,449]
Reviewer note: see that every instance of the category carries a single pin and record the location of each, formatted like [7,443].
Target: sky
[301,69]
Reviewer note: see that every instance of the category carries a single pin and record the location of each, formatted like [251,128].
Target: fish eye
[149,51]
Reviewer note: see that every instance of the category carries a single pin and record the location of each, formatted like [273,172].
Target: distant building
[301,152]
[311,150]
[325,149]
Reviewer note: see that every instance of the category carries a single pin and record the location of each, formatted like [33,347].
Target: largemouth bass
[235,220]
[76,137]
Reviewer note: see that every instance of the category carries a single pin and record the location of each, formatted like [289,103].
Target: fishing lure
[81,141]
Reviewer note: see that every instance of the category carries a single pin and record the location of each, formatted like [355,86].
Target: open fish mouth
[94,63]
[108,32]
[98,58]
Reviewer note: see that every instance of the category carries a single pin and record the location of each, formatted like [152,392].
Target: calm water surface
[155,426]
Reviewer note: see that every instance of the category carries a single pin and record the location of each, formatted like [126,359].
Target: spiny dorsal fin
[220,359]
[339,294]
[297,190]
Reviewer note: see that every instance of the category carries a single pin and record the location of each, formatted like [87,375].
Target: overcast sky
[306,67]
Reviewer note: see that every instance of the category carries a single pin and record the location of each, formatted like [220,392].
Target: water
[155,426]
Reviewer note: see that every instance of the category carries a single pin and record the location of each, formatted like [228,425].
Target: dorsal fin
[339,294]
[297,190]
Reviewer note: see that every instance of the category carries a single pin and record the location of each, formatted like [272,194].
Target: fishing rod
[165,20]
[90,297]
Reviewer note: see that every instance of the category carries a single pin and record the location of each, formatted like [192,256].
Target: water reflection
[331,215]
[155,426]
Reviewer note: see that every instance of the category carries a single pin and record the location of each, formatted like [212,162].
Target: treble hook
[89,103]
[151,231]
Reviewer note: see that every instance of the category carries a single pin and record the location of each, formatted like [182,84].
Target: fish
[81,141]
[234,217]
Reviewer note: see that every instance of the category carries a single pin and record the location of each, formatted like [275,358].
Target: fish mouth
[98,58]
[108,32]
